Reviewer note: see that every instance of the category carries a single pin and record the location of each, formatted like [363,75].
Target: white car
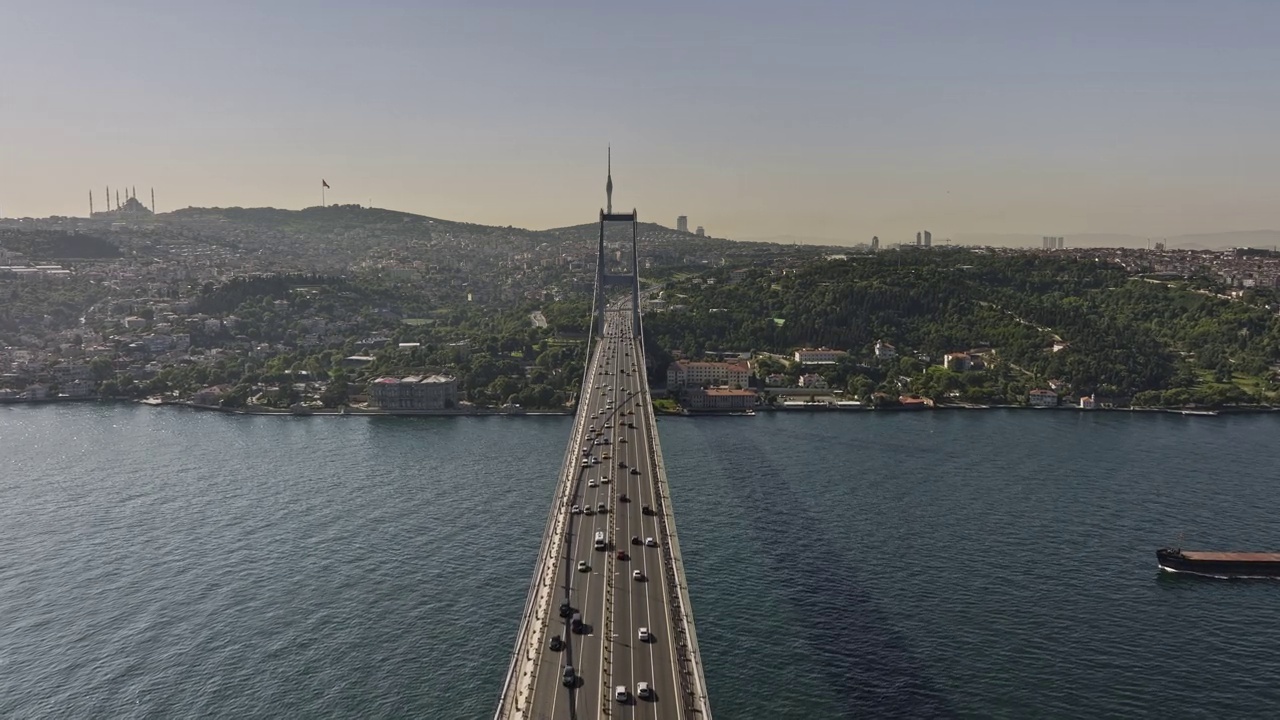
[643,691]
[583,566]
[644,635]
[637,575]
[604,479]
[620,693]
[592,483]
[576,510]
[588,511]
[649,542]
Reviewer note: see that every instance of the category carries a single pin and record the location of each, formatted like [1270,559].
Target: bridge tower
[605,279]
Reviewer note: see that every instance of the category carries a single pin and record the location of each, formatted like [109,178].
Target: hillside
[54,245]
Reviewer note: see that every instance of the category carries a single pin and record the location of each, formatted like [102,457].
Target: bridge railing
[537,604]
[689,658]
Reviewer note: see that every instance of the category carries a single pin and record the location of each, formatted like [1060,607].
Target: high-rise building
[1048,242]
[682,223]
[875,243]
[918,239]
[700,232]
[928,239]
[1062,243]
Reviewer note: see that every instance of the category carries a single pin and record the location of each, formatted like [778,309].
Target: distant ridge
[1202,241]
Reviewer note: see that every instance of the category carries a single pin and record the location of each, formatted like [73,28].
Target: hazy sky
[837,120]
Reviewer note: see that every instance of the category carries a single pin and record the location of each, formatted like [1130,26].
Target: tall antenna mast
[608,186]
[90,203]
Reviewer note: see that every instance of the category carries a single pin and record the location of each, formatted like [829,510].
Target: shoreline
[481,412]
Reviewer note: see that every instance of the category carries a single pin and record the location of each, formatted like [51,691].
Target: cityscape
[909,362]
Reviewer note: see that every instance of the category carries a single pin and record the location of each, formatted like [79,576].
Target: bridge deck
[614,426]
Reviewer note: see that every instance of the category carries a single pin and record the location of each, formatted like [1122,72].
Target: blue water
[157,562]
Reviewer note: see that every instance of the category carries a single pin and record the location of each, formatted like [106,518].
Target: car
[635,471]
[592,483]
[620,694]
[595,461]
[604,480]
[650,542]
[586,462]
[622,555]
[623,498]
[576,510]
[622,440]
[635,540]
[643,691]
[602,508]
[637,576]
[586,510]
[631,425]
[646,510]
[604,455]
[622,463]
[570,677]
[565,608]
[583,566]
[644,635]
[556,643]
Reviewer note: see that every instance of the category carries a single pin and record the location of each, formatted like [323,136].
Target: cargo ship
[1219,564]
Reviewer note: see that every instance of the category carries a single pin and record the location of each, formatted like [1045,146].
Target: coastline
[472,412]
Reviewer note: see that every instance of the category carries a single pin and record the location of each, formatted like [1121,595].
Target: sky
[833,121]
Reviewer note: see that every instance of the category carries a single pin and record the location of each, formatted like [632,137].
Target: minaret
[153,201]
[608,185]
[117,199]
[90,203]
[135,192]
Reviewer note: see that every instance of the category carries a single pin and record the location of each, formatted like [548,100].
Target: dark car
[634,471]
[646,509]
[570,677]
[622,555]
[635,541]
[623,498]
[622,464]
[556,643]
[565,608]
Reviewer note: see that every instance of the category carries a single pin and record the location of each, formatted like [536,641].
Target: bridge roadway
[613,455]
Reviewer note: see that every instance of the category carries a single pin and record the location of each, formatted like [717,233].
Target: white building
[813,381]
[885,351]
[682,373]
[819,356]
[1088,402]
[68,372]
[133,322]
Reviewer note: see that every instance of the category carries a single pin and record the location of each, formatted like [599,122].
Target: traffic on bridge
[608,630]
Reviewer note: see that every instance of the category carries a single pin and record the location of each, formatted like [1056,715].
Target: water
[157,562]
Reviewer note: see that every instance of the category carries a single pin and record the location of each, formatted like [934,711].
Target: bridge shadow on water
[869,663]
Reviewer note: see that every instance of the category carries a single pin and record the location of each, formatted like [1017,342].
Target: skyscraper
[682,223]
[700,232]
[928,239]
[875,243]
[918,240]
